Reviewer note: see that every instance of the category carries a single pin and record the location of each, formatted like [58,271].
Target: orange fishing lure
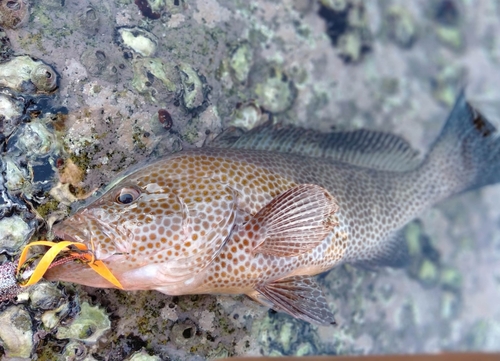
[55,248]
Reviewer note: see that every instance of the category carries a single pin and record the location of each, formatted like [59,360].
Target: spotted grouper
[262,213]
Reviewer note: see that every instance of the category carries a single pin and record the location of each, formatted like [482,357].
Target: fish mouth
[72,265]
[90,230]
[68,231]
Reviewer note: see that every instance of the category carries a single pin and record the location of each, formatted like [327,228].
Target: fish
[261,213]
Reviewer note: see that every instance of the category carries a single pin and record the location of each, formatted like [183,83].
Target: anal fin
[294,222]
[299,296]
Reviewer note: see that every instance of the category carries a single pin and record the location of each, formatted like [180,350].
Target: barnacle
[194,88]
[136,39]
[13,13]
[44,78]
[46,261]
[275,90]
[153,78]
[90,21]
[88,326]
[11,111]
[16,333]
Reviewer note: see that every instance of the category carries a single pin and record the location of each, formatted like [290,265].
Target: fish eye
[127,195]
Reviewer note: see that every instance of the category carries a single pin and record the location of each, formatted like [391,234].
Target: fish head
[150,231]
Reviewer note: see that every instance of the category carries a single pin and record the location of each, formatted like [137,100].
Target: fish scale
[242,217]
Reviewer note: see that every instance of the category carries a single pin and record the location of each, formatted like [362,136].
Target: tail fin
[467,153]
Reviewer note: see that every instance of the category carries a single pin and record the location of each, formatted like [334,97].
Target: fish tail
[466,155]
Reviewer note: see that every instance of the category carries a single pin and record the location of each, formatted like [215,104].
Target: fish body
[257,219]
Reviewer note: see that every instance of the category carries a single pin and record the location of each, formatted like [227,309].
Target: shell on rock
[16,334]
[13,13]
[140,41]
[28,75]
[90,324]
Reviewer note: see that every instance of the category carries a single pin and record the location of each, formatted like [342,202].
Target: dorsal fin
[363,148]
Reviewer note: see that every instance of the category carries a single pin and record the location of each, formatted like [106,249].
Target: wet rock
[451,36]
[347,28]
[445,83]
[287,336]
[5,47]
[447,17]
[274,89]
[336,5]
[90,21]
[451,279]
[142,356]
[11,111]
[450,304]
[95,61]
[428,273]
[303,6]
[75,350]
[185,333]
[103,64]
[240,61]
[9,288]
[425,264]
[45,296]
[175,6]
[305,349]
[400,26]
[16,335]
[13,13]
[445,12]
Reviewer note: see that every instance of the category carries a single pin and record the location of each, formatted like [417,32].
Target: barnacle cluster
[28,145]
[28,156]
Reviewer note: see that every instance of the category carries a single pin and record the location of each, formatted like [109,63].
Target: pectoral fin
[299,296]
[294,222]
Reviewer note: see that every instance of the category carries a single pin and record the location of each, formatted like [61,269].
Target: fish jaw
[78,272]
[86,227]
[147,277]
